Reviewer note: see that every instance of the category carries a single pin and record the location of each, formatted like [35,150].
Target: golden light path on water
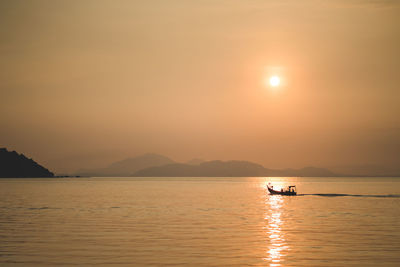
[277,248]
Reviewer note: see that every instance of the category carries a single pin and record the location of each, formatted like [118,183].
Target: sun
[274,81]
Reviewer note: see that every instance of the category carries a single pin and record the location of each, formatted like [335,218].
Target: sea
[200,221]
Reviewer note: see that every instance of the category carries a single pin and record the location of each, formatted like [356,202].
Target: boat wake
[351,195]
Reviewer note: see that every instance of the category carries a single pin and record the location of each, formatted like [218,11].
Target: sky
[85,83]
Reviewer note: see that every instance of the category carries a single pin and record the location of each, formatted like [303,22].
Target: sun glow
[274,81]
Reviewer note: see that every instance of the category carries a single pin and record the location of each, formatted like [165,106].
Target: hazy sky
[84,83]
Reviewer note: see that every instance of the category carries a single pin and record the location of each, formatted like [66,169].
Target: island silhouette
[14,165]
[155,165]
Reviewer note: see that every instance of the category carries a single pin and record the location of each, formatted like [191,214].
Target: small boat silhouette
[289,191]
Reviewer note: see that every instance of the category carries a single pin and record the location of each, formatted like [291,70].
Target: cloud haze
[84,83]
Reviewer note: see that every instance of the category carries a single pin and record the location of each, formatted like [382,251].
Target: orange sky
[84,83]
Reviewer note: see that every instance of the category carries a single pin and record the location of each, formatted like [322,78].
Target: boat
[289,191]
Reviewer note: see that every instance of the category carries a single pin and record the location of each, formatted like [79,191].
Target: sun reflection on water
[277,243]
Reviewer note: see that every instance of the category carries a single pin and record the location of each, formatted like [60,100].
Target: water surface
[200,222]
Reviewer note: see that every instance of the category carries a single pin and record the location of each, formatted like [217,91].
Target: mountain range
[13,164]
[128,166]
[154,165]
[233,168]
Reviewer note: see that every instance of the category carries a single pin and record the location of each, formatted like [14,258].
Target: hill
[303,172]
[14,165]
[128,166]
[195,161]
[232,168]
[154,165]
[214,168]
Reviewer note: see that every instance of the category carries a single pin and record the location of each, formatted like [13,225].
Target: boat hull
[284,193]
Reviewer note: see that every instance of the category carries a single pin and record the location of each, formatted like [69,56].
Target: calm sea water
[200,222]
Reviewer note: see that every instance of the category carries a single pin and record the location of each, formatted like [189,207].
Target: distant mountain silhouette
[154,165]
[14,165]
[304,172]
[195,161]
[215,168]
[373,170]
[227,169]
[128,166]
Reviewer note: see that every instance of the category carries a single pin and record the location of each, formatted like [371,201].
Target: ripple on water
[202,223]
